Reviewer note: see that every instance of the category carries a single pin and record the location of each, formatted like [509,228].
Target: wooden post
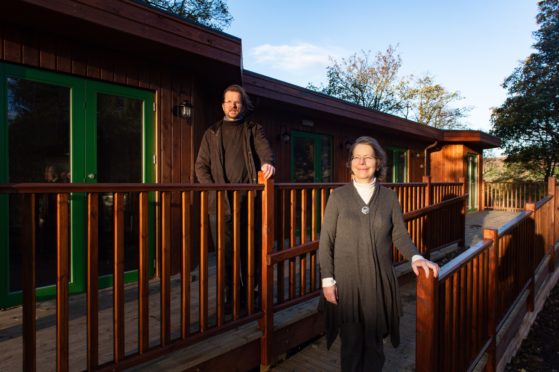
[266,323]
[427,305]
[428,191]
[552,190]
[28,249]
[493,235]
[531,207]
[482,197]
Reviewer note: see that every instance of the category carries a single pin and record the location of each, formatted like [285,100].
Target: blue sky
[469,46]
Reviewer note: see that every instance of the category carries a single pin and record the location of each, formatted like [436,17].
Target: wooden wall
[172,80]
[449,163]
[277,117]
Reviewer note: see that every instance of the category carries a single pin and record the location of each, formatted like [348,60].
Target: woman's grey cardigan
[356,250]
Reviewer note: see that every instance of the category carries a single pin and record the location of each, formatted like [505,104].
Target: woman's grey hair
[379,153]
[247,103]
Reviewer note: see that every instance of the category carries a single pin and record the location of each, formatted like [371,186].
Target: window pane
[326,159]
[304,152]
[39,151]
[119,159]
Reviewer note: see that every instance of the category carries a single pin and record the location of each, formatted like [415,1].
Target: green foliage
[210,13]
[528,120]
[373,82]
[498,169]
[429,103]
[366,81]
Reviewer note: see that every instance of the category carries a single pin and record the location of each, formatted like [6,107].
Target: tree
[430,103]
[364,80]
[210,13]
[373,82]
[528,120]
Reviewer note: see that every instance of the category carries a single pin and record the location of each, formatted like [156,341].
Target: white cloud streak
[294,57]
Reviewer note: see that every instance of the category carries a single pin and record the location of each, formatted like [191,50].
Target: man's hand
[268,170]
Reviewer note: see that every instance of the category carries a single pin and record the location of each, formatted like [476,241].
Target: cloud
[298,56]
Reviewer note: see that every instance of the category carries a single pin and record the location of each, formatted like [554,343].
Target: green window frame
[397,164]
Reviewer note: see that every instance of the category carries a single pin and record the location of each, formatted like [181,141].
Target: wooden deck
[314,357]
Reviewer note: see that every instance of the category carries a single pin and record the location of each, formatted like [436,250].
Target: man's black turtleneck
[234,160]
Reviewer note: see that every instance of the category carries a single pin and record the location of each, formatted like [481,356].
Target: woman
[361,221]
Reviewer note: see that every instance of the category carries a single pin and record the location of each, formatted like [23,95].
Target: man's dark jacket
[209,165]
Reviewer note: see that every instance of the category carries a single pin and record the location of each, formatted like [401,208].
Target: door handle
[91,176]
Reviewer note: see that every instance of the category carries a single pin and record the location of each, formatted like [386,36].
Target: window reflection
[39,151]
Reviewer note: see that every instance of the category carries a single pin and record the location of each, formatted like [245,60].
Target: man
[232,151]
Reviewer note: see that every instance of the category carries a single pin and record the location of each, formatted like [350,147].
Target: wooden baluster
[314,228]
[62,279]
[203,288]
[281,245]
[293,242]
[302,260]
[28,280]
[143,273]
[251,253]
[185,264]
[165,295]
[92,281]
[118,278]
[222,281]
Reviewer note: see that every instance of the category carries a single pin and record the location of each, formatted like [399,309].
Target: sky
[468,46]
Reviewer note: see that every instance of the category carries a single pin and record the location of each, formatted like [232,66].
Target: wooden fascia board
[260,85]
[147,23]
[478,138]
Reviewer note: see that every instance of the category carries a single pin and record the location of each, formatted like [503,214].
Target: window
[396,165]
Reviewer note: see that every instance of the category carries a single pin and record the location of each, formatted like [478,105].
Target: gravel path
[540,349]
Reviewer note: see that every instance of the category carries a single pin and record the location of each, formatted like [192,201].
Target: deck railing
[290,216]
[511,196]
[464,315]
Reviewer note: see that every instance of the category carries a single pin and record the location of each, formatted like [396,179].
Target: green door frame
[472,163]
[82,120]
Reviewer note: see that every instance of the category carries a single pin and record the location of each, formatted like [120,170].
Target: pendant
[365,210]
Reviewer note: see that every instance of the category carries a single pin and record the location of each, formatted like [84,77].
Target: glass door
[58,128]
[472,181]
[311,157]
[117,152]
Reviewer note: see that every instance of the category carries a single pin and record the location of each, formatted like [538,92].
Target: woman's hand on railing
[426,265]
[331,294]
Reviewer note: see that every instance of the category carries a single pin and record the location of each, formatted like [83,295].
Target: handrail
[458,262]
[182,212]
[479,289]
[25,188]
[414,214]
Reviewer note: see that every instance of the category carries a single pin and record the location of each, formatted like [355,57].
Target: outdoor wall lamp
[285,137]
[184,110]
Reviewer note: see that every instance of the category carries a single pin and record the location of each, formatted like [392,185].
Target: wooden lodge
[103,228]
